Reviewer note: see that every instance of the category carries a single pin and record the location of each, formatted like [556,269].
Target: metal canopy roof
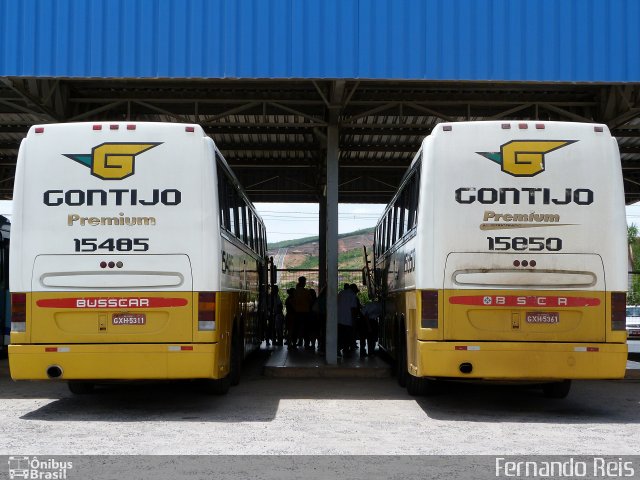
[273,132]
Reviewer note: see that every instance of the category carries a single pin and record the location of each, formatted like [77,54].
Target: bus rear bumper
[116,362]
[520,361]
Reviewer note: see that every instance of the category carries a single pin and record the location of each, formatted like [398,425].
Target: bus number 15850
[532,244]
[112,244]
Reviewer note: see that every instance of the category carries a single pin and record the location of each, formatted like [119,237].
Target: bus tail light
[18,312]
[206,311]
[618,311]
[429,318]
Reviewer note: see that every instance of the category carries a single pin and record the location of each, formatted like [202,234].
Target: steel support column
[332,243]
[322,244]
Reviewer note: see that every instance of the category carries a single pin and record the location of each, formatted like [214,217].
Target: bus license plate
[129,319]
[543,317]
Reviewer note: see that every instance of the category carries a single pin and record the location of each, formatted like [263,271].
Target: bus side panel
[227,313]
[240,277]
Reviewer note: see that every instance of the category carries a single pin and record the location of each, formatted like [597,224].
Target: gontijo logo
[524,158]
[112,161]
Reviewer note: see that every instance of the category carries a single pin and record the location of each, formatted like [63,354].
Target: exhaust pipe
[466,367]
[54,371]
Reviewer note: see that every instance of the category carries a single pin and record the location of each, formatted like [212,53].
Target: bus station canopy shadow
[258,399]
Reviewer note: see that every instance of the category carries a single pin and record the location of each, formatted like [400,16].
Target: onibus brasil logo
[34,468]
[112,161]
[524,158]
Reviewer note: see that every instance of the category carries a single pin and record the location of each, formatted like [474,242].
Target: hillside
[303,253]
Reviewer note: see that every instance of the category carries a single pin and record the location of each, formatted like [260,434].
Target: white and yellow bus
[135,255]
[503,256]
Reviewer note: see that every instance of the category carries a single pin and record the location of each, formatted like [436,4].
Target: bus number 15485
[112,244]
[532,244]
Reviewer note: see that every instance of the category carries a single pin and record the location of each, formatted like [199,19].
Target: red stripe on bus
[523,301]
[112,302]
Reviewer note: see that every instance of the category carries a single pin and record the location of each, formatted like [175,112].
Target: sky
[287,221]
[633,214]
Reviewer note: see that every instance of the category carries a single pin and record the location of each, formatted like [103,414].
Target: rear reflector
[586,349]
[180,348]
[206,311]
[468,347]
[429,309]
[57,349]
[618,311]
[18,312]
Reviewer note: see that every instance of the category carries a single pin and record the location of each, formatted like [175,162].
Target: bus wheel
[215,387]
[416,386]
[401,357]
[235,362]
[557,389]
[79,387]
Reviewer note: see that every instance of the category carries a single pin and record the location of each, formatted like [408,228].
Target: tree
[633,296]
[632,233]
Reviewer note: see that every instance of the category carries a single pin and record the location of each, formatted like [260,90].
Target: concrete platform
[633,370]
[300,363]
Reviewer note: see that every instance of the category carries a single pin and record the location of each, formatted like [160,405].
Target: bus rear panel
[515,265]
[116,260]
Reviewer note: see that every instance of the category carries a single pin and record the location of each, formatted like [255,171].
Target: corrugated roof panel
[527,40]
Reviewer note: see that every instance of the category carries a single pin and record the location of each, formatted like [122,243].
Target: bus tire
[235,360]
[557,389]
[417,386]
[79,387]
[216,387]
[401,356]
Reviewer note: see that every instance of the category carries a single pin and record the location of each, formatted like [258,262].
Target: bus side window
[383,235]
[387,233]
[376,241]
[223,199]
[406,195]
[251,228]
[243,223]
[413,200]
[256,236]
[231,211]
[399,217]
[390,227]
